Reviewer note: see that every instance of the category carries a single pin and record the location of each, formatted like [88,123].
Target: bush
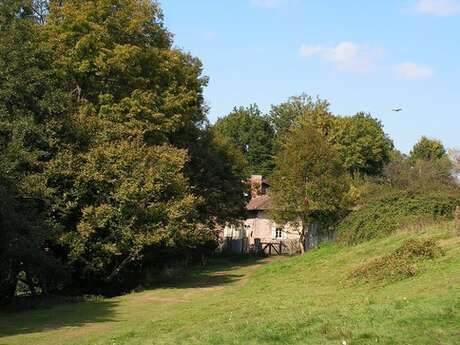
[400,264]
[383,217]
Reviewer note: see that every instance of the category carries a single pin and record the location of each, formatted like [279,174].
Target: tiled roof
[261,202]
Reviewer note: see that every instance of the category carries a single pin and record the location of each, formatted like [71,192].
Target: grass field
[300,300]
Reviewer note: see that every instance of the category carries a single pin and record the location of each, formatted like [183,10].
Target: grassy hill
[310,299]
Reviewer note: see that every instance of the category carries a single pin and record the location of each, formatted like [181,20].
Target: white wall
[263,227]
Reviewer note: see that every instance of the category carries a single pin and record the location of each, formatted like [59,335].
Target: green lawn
[301,300]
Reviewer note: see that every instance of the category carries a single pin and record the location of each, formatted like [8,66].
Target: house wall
[233,239]
[261,226]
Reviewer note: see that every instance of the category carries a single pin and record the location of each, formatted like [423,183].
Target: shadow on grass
[219,272]
[65,315]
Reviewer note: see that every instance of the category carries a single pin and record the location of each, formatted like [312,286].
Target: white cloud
[411,70]
[266,3]
[437,7]
[345,55]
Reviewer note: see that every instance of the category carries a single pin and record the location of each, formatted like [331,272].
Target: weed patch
[384,217]
[401,263]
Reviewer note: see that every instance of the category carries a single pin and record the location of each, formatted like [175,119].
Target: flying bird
[397,109]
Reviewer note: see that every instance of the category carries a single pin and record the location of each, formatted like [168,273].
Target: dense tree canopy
[30,100]
[251,132]
[363,145]
[284,115]
[105,154]
[309,180]
[360,140]
[428,149]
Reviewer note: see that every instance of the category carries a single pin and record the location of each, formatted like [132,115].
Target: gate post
[257,246]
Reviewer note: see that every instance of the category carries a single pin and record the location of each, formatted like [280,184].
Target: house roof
[262,202]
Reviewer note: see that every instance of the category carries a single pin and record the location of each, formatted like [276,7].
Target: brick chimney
[258,186]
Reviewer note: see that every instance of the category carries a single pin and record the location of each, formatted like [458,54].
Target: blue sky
[361,55]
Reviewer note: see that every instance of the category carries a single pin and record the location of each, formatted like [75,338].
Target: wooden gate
[272,247]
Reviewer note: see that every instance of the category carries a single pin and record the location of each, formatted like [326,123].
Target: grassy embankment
[308,299]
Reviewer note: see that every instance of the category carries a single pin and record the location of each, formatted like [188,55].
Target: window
[278,233]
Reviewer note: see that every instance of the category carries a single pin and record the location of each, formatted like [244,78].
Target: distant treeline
[321,165]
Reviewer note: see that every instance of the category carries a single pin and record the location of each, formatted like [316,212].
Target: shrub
[381,218]
[401,263]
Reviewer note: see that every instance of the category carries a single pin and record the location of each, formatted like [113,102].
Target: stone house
[259,226]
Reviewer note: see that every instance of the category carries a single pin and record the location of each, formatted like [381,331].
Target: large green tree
[363,145]
[284,115]
[251,132]
[310,181]
[30,102]
[428,149]
[105,150]
[125,176]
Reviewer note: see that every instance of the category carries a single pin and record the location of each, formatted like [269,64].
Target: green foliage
[428,149]
[23,244]
[216,170]
[26,229]
[408,191]
[309,179]
[29,100]
[134,171]
[134,197]
[402,263]
[251,132]
[284,115]
[360,140]
[383,217]
[105,154]
[363,145]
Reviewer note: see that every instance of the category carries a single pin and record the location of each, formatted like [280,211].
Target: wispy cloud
[346,56]
[437,7]
[411,70]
